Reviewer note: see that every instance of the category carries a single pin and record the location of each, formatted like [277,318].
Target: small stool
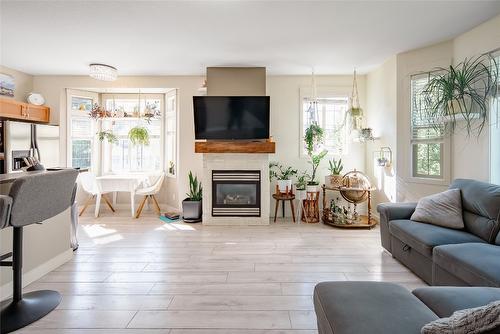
[284,197]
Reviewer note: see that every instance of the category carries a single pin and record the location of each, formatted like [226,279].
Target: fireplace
[236,193]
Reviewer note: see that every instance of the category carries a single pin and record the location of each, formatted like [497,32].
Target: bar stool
[32,199]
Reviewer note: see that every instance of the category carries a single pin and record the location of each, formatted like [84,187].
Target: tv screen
[231,117]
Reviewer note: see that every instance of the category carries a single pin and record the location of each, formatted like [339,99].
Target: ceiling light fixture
[103,72]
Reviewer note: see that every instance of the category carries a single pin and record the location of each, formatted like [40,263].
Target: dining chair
[149,193]
[90,186]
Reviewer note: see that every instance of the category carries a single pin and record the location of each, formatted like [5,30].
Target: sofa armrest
[392,211]
[5,205]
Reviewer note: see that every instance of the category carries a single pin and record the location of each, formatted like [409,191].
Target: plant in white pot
[336,167]
[283,174]
[300,186]
[192,205]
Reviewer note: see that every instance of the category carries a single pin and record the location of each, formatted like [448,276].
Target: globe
[355,186]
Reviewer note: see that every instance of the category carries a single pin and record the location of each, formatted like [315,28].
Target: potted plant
[461,93]
[192,205]
[283,174]
[336,167]
[108,135]
[139,135]
[312,185]
[300,185]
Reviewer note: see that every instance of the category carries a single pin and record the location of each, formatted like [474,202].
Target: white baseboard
[38,272]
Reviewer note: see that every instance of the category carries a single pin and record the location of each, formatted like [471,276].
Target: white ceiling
[184,37]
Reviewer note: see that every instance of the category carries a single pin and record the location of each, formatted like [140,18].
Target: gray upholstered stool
[32,199]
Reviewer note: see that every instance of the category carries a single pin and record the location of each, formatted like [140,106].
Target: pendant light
[103,72]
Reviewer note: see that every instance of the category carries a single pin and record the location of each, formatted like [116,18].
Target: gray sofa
[443,256]
[387,308]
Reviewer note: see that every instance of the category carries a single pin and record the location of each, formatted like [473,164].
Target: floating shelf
[234,146]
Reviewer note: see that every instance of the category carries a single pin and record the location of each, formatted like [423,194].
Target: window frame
[72,114]
[106,148]
[494,156]
[444,141]
[321,93]
[171,115]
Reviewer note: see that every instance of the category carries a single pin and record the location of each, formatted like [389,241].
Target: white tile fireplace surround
[236,162]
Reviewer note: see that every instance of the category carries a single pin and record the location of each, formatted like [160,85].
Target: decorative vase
[283,185]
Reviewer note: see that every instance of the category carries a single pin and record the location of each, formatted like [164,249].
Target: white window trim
[172,94]
[446,140]
[94,165]
[321,92]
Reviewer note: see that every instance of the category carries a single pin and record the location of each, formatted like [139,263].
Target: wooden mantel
[235,146]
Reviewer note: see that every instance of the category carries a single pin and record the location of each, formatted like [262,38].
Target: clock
[36,99]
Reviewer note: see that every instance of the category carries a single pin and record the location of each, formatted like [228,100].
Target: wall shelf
[15,110]
[234,146]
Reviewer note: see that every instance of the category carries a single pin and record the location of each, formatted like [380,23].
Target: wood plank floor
[144,276]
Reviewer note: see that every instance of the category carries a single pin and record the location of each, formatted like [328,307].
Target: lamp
[103,72]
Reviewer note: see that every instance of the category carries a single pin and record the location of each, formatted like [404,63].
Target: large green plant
[461,93]
[278,171]
[313,136]
[315,161]
[195,189]
[139,135]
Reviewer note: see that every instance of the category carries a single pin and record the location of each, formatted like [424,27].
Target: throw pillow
[469,321]
[443,209]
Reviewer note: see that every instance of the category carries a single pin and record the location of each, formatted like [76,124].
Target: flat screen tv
[231,117]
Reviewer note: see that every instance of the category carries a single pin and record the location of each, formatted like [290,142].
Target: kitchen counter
[11,177]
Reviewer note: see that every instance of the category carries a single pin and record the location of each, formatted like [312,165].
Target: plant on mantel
[462,93]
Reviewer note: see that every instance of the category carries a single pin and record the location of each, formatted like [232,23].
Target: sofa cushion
[477,264]
[424,237]
[481,205]
[340,306]
[442,209]
[445,300]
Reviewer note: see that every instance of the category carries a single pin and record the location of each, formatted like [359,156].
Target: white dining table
[115,183]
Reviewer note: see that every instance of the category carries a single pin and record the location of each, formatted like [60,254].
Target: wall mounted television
[231,117]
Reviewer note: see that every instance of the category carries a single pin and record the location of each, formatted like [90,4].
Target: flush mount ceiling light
[103,72]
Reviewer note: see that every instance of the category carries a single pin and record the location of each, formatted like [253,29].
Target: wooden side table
[310,214]
[283,197]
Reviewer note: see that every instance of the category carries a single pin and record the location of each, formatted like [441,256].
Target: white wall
[381,106]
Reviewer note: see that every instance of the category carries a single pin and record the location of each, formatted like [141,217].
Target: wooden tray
[362,224]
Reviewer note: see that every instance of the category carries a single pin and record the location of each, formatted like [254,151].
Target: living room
[349,128]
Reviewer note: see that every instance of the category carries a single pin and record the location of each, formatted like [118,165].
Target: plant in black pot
[191,206]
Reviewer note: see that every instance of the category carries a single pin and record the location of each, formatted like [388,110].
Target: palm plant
[462,92]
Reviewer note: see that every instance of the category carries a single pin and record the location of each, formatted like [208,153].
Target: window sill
[422,180]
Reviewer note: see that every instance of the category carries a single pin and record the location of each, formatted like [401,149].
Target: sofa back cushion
[481,206]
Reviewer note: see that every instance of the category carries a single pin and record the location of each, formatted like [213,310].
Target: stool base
[32,307]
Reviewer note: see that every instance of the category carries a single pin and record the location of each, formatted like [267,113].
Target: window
[427,136]
[81,130]
[331,117]
[171,133]
[122,156]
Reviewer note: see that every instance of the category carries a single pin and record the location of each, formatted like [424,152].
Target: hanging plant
[313,137]
[139,135]
[355,113]
[108,135]
[461,93]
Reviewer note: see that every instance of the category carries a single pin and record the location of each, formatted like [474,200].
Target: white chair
[150,192]
[90,186]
